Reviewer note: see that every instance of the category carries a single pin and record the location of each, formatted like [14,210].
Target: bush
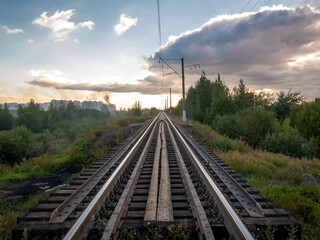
[14,145]
[286,141]
[301,202]
[81,152]
[253,125]
[225,144]
[225,125]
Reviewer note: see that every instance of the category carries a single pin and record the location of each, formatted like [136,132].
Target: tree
[6,119]
[284,103]
[306,117]
[14,145]
[31,116]
[243,98]
[136,109]
[203,94]
[221,100]
[263,99]
[254,124]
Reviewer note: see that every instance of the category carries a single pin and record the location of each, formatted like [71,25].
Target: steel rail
[240,230]
[78,195]
[203,221]
[80,225]
[252,207]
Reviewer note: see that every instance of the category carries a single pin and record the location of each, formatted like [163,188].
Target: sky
[84,50]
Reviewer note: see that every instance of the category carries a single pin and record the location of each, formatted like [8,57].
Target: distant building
[100,106]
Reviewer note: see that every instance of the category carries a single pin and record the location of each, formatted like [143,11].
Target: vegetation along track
[159,176]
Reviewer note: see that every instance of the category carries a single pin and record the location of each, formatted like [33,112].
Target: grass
[277,176]
[10,210]
[62,153]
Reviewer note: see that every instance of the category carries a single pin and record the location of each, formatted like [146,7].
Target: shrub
[14,145]
[301,202]
[225,144]
[225,125]
[286,141]
[253,125]
[81,151]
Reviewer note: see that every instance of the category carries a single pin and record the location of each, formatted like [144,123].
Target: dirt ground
[33,186]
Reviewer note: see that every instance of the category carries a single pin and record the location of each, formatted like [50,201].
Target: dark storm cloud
[145,86]
[256,47]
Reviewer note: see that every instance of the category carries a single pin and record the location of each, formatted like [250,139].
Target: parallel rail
[160,177]
[236,226]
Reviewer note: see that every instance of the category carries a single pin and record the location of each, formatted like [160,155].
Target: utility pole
[170,100]
[184,113]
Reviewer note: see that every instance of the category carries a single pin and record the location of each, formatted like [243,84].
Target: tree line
[21,135]
[283,124]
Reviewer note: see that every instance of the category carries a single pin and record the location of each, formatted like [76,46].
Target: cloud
[12,31]
[310,2]
[30,40]
[60,24]
[76,41]
[124,24]
[276,47]
[54,79]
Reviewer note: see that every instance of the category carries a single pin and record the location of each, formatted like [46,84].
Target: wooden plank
[150,216]
[164,210]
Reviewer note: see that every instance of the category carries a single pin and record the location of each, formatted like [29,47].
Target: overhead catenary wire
[160,47]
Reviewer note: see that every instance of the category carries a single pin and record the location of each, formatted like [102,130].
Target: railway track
[159,176]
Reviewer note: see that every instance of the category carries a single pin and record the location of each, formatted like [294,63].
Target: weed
[225,144]
[25,234]
[269,232]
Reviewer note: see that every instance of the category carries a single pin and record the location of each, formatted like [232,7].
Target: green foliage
[306,118]
[269,231]
[254,117]
[6,119]
[225,125]
[287,141]
[11,208]
[81,151]
[136,109]
[20,172]
[25,234]
[284,103]
[243,98]
[225,144]
[14,145]
[276,176]
[253,125]
[172,232]
[31,116]
[301,202]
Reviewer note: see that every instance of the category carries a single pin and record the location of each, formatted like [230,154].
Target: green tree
[284,103]
[254,124]
[243,98]
[221,100]
[263,99]
[285,140]
[14,145]
[136,109]
[31,116]
[6,119]
[306,117]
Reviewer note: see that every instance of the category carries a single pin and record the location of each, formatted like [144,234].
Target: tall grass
[11,208]
[277,176]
